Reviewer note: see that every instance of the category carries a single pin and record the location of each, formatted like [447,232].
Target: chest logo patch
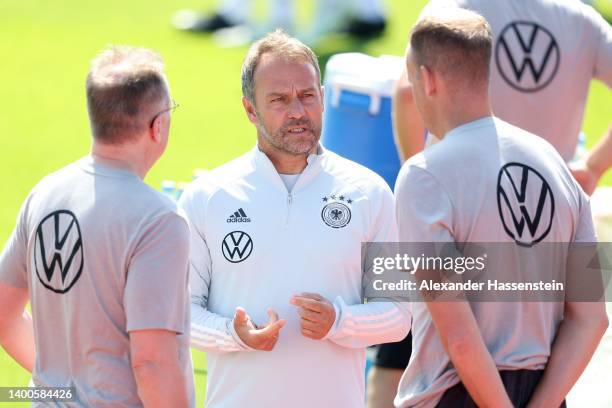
[58,251]
[238,216]
[336,213]
[237,246]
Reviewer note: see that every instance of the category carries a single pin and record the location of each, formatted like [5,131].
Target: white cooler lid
[361,73]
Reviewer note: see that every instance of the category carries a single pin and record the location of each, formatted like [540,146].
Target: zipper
[289,202]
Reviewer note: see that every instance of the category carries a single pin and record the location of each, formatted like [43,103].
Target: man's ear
[155,130]
[322,98]
[430,80]
[249,108]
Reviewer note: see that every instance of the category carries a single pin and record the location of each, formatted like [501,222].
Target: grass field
[46,49]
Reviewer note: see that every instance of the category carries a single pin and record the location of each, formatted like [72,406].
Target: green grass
[46,48]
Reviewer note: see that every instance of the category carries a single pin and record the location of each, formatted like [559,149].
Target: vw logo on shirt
[58,251]
[237,246]
[525,202]
[527,56]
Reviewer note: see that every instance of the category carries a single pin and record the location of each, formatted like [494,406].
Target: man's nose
[296,108]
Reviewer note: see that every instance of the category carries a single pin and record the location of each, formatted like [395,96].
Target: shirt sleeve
[155,294]
[424,210]
[378,320]
[210,332]
[586,276]
[603,43]
[13,260]
[585,228]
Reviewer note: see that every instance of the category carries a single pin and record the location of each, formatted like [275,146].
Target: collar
[264,166]
[104,168]
[470,126]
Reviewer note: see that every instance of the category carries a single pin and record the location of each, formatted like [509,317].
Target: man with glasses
[103,258]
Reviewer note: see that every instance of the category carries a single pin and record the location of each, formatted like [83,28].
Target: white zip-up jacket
[255,245]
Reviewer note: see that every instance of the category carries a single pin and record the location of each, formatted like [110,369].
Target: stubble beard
[294,144]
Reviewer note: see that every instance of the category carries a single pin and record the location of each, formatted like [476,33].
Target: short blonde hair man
[466,189]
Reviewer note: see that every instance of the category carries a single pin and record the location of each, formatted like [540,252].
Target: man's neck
[285,163]
[457,114]
[120,157]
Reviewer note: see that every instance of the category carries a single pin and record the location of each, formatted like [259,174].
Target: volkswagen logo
[58,251]
[527,56]
[525,202]
[237,246]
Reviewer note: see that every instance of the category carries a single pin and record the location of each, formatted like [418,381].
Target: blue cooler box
[357,120]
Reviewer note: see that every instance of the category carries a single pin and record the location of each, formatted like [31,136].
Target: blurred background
[45,49]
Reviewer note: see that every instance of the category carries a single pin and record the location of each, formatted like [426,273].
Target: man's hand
[258,337]
[585,176]
[597,161]
[317,314]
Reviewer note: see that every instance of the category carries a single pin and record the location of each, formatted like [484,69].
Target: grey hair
[124,85]
[280,44]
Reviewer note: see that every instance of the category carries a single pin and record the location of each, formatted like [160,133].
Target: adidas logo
[239,216]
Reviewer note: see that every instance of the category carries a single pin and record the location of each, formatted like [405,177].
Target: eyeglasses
[171,109]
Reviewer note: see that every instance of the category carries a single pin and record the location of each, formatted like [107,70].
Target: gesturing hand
[317,314]
[258,337]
